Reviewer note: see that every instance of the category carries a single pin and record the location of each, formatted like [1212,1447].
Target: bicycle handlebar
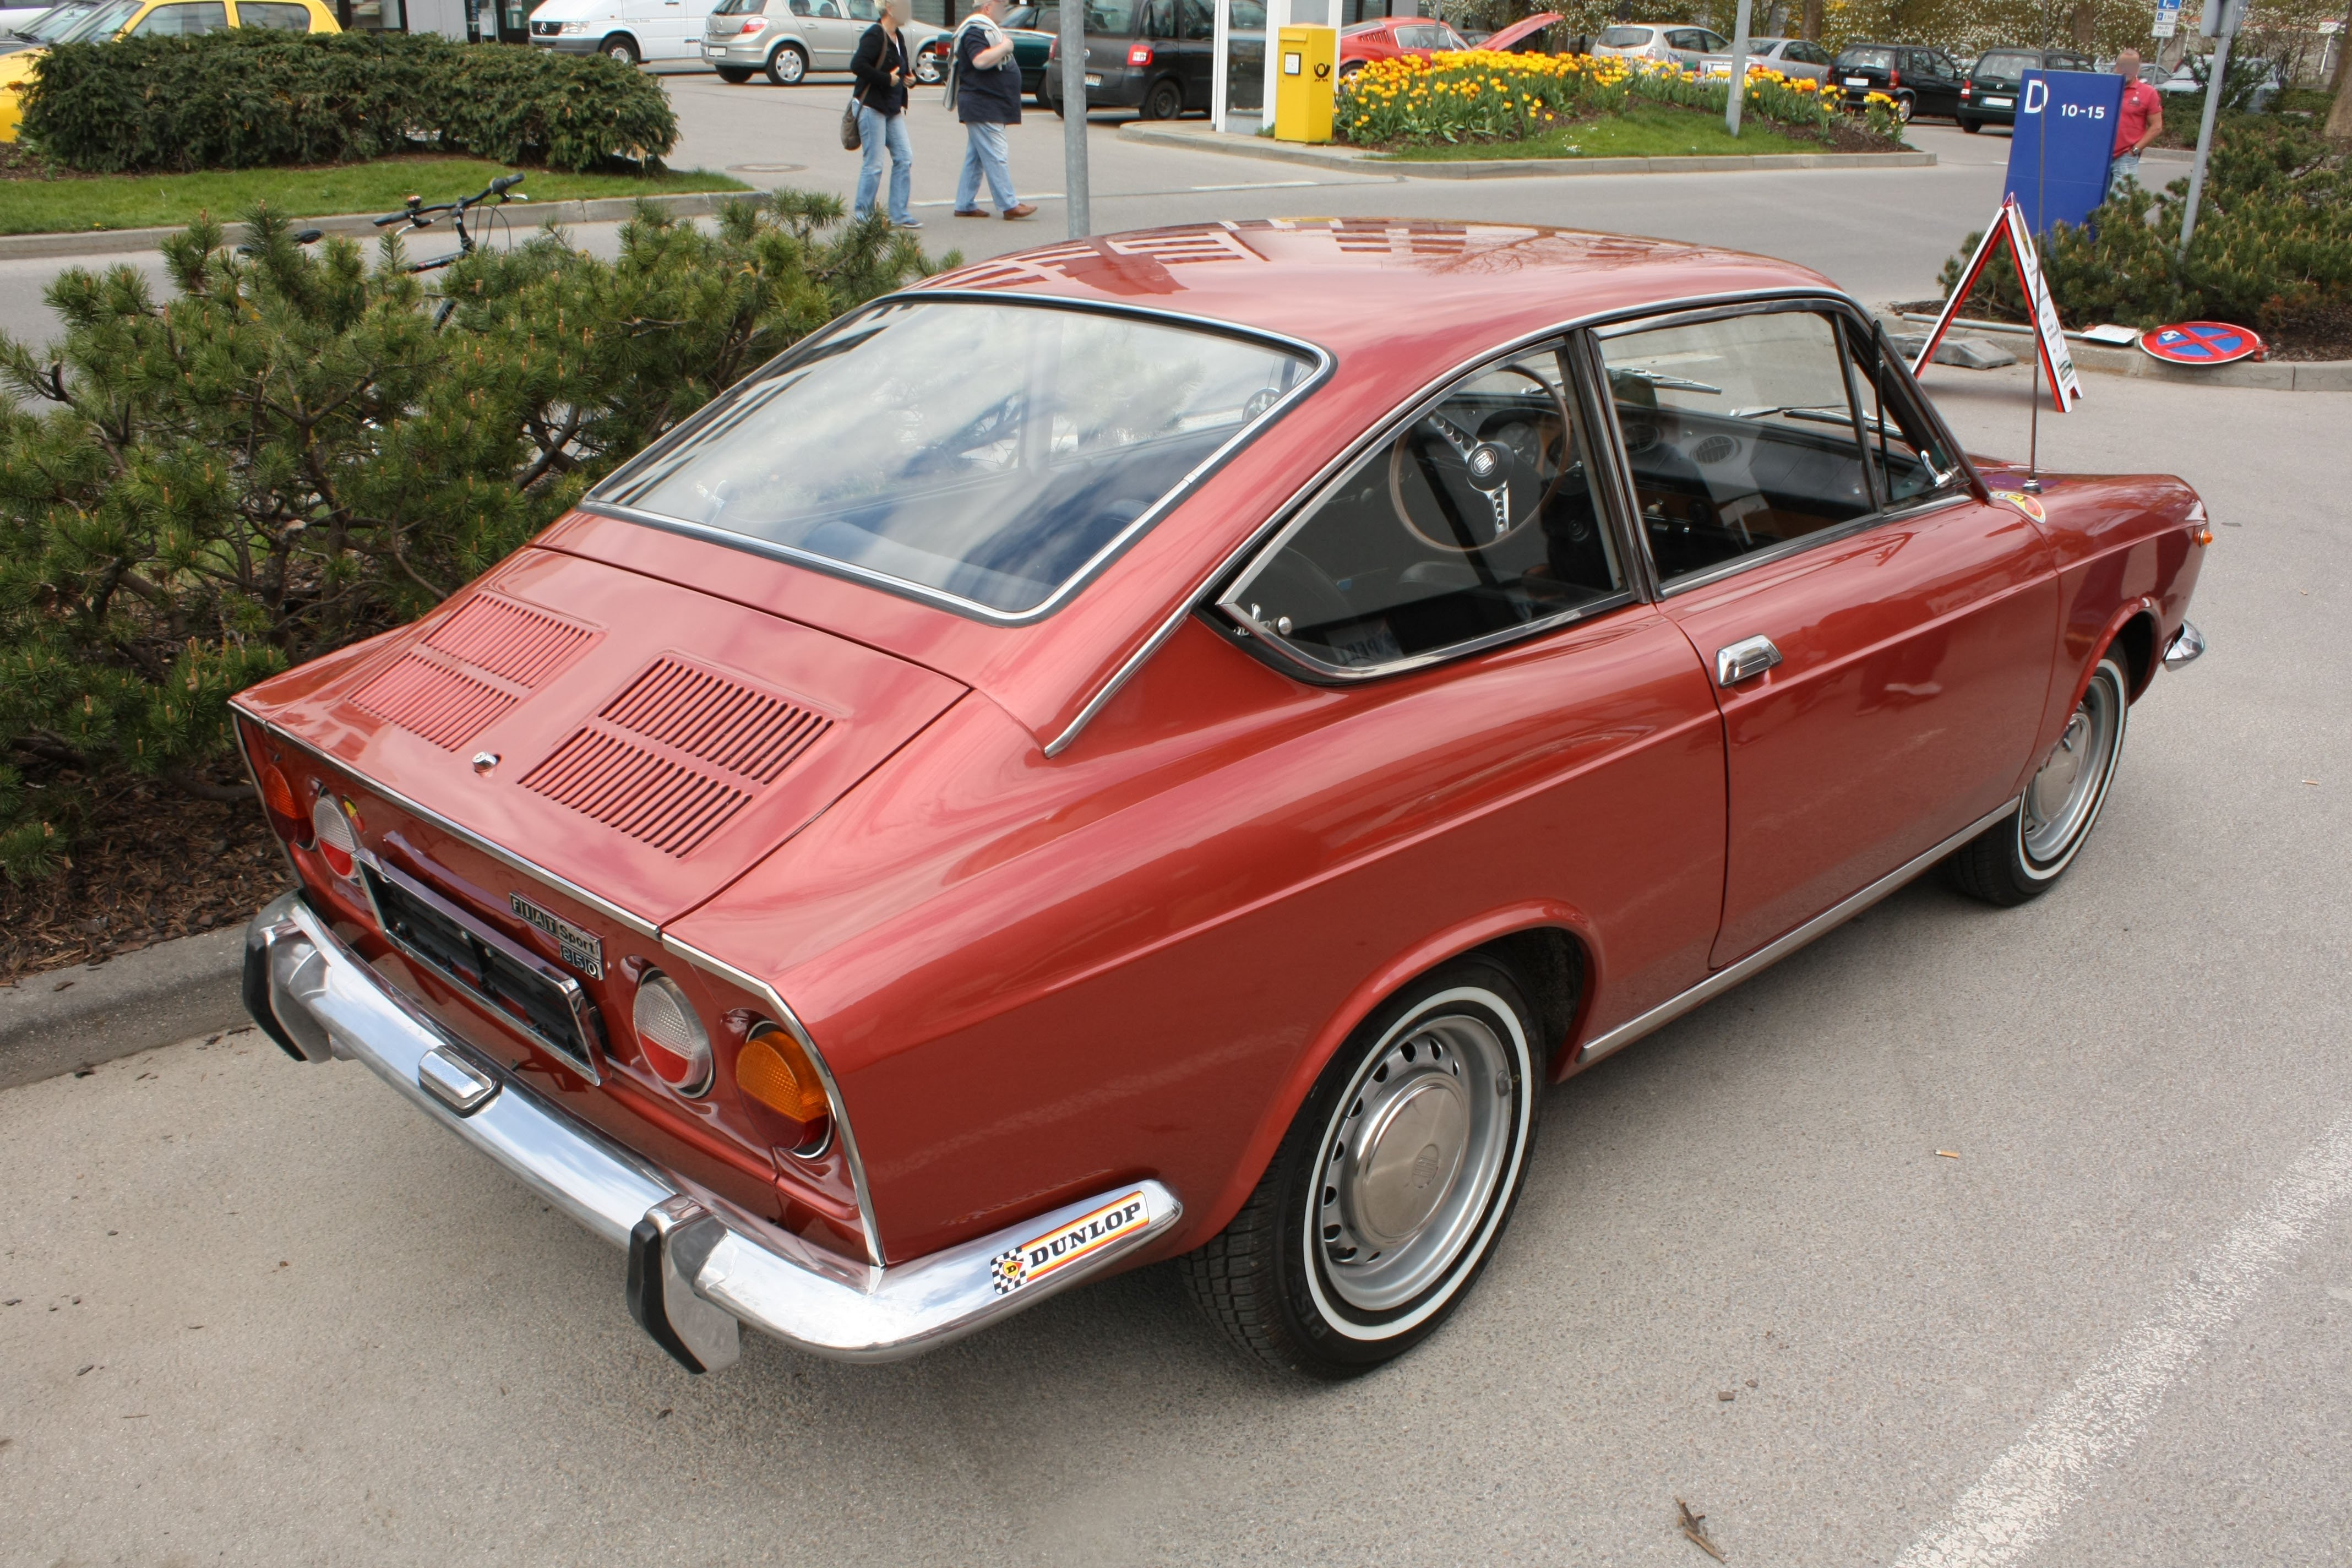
[419,216]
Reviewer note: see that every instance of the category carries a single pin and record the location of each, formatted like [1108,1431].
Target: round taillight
[677,1046]
[330,830]
[781,1084]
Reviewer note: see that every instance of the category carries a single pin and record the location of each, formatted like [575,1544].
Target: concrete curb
[65,1018]
[2276,375]
[602,209]
[1203,139]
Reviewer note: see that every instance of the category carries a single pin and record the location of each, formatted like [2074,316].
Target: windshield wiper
[1672,382]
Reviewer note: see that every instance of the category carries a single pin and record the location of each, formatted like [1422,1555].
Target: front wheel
[736,74]
[620,48]
[2026,853]
[1389,1191]
[787,66]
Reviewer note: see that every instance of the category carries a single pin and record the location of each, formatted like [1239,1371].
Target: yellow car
[159,18]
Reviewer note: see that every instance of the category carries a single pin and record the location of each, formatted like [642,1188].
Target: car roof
[1421,294]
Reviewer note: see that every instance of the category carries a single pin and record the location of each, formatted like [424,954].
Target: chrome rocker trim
[1764,957]
[695,1272]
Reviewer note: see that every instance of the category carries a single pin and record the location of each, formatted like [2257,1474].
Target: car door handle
[1744,660]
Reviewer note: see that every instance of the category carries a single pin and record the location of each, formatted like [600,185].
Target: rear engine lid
[644,742]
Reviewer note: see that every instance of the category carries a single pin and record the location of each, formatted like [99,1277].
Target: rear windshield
[1625,38]
[2007,66]
[1867,59]
[990,453]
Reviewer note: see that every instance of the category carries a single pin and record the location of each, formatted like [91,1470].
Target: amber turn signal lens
[279,796]
[775,1071]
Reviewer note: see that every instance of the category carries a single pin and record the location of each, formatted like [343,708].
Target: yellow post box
[1306,84]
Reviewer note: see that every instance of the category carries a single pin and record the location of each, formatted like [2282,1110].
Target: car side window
[182,21]
[1909,457]
[1739,435]
[1196,20]
[1160,19]
[278,16]
[1472,521]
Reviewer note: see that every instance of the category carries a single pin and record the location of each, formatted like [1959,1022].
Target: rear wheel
[1905,107]
[739,74]
[787,66]
[620,48]
[1971,126]
[2024,856]
[927,69]
[1388,1192]
[1348,68]
[1164,99]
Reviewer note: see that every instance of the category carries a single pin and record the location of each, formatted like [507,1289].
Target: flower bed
[1482,95]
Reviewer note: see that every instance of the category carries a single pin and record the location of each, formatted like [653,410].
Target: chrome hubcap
[2059,802]
[1411,1161]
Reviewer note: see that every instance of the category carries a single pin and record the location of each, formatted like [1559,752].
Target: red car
[1386,37]
[1160,747]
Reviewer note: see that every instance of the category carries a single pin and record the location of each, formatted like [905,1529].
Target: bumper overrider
[694,1273]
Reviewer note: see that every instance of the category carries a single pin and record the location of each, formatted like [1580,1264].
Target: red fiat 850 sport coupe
[1161,746]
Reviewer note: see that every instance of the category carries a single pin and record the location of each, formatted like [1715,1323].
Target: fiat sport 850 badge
[577,948]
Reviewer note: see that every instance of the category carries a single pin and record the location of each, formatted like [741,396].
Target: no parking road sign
[2199,343]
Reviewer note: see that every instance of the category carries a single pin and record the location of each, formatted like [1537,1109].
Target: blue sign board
[2066,135]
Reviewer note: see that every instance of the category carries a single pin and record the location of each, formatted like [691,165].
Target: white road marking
[2019,1500]
[1266,185]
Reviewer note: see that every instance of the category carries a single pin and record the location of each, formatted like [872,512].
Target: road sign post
[1739,69]
[1073,121]
[2222,17]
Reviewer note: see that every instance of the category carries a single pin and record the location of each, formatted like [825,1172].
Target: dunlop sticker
[1057,1249]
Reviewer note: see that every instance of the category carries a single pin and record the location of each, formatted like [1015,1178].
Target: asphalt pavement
[1963,1237]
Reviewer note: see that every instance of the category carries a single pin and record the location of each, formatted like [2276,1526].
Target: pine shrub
[248,97]
[283,456]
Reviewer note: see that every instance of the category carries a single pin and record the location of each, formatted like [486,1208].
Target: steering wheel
[1480,473]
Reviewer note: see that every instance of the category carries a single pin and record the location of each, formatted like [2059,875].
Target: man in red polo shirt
[2139,122]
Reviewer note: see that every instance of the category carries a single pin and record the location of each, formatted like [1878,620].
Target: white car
[1792,57]
[628,30]
[1676,42]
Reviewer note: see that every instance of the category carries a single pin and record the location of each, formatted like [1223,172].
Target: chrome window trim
[583,1012]
[507,857]
[1321,363]
[1847,314]
[791,1021]
[1323,673]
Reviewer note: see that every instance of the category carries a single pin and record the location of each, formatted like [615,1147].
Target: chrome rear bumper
[693,1272]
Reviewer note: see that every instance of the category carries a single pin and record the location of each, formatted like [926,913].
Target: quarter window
[1474,520]
[1739,433]
[278,16]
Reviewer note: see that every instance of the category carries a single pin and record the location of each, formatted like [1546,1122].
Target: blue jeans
[2124,167]
[985,153]
[877,133]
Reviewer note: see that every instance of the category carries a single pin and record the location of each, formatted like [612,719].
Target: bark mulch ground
[156,864]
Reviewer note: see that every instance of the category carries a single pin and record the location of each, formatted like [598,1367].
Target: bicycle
[417,215]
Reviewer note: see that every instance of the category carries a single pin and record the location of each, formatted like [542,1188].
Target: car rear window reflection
[988,452]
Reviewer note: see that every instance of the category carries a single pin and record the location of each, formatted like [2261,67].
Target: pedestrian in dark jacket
[988,99]
[884,74]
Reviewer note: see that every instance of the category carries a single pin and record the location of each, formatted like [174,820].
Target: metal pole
[1074,117]
[1220,47]
[2213,84]
[1739,69]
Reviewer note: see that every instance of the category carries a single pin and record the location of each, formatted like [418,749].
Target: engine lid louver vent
[472,668]
[676,754]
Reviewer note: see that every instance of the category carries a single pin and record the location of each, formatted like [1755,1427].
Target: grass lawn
[1649,130]
[151,201]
